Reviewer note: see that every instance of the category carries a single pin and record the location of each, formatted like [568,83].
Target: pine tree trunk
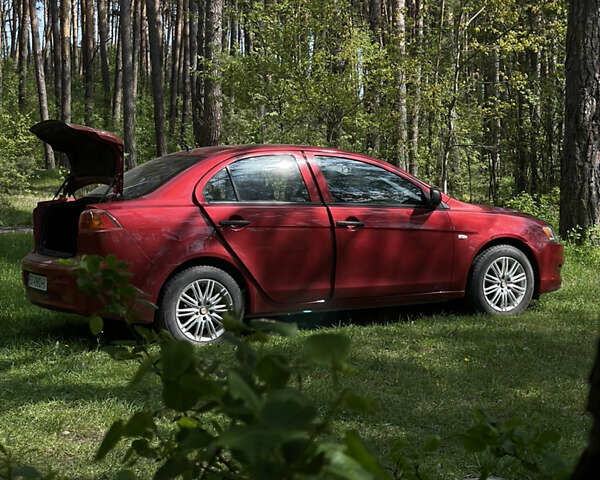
[589,463]
[400,35]
[413,149]
[75,55]
[175,56]
[212,86]
[104,67]
[87,23]
[118,86]
[65,29]
[22,63]
[128,87]
[56,55]
[154,26]
[137,36]
[39,76]
[580,168]
[186,70]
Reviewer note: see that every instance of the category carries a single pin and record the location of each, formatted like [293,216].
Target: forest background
[466,94]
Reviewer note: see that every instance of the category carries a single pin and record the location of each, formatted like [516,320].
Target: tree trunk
[104,67]
[580,169]
[400,35]
[187,93]
[22,63]
[87,23]
[212,86]
[75,38]
[137,37]
[128,87]
[65,28]
[57,55]
[589,463]
[117,89]
[413,147]
[154,26]
[39,76]
[175,67]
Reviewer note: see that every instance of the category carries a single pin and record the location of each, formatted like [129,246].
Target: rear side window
[147,177]
[351,181]
[272,178]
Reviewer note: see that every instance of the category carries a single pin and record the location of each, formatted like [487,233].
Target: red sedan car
[273,229]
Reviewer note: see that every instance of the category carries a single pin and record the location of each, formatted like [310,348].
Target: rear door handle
[234,223]
[349,223]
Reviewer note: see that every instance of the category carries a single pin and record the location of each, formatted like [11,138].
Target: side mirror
[435,197]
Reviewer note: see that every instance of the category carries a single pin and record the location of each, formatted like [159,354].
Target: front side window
[351,181]
[271,178]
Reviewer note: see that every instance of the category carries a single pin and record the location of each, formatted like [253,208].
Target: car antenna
[185,145]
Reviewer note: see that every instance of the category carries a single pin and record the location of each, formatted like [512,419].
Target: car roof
[241,149]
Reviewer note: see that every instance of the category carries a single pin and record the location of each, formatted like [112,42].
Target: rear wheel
[502,282]
[195,301]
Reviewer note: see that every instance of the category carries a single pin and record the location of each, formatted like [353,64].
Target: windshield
[148,176]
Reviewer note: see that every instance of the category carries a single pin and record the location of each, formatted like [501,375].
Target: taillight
[97,221]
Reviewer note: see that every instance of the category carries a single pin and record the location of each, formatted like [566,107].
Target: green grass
[16,209]
[426,371]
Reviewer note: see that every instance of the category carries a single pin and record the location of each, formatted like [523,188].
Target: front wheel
[502,282]
[195,301]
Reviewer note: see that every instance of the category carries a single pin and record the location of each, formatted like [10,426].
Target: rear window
[148,176]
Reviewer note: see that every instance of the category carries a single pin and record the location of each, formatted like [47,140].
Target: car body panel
[95,156]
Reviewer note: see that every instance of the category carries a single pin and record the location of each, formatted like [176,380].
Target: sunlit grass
[426,370]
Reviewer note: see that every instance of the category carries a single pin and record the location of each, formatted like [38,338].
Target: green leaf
[110,440]
[273,370]
[356,449]
[327,349]
[142,370]
[177,398]
[288,409]
[239,388]
[187,422]
[96,325]
[176,357]
[140,424]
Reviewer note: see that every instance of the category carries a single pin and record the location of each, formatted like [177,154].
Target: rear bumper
[62,292]
[550,263]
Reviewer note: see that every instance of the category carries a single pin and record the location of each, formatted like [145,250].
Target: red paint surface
[292,257]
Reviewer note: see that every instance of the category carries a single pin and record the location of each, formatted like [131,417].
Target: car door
[269,212]
[389,242]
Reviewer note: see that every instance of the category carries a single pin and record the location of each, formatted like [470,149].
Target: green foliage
[545,206]
[18,153]
[513,442]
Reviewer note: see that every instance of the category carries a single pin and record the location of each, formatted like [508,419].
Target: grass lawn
[15,210]
[427,371]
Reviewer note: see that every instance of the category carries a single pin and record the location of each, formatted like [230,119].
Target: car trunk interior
[58,227]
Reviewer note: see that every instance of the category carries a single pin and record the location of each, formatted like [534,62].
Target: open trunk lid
[95,156]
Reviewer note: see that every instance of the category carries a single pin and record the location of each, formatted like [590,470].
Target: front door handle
[349,224]
[234,223]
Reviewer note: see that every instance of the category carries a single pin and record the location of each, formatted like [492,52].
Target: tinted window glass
[219,188]
[148,176]
[274,178]
[351,181]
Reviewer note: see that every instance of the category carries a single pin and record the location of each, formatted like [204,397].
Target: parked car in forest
[273,229]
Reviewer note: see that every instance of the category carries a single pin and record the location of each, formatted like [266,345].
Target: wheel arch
[212,262]
[513,242]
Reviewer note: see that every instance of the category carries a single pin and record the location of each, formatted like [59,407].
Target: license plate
[39,282]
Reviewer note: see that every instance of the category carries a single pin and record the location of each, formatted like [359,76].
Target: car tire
[502,281]
[195,300]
